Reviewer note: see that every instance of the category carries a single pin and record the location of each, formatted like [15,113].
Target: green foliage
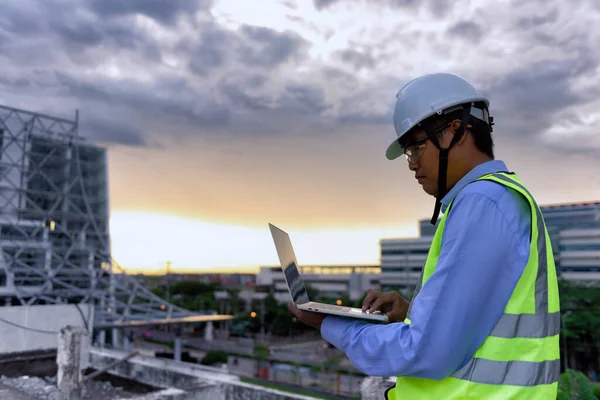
[581,322]
[331,364]
[277,319]
[261,352]
[596,389]
[213,357]
[193,288]
[312,292]
[573,385]
[191,295]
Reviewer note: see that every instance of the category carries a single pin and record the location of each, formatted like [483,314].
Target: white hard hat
[427,95]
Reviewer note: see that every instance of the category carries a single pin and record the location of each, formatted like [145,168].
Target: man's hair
[479,130]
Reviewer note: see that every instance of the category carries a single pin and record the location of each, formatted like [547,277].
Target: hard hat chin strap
[443,158]
[442,175]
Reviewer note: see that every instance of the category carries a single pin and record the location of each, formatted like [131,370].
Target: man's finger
[377,303]
[368,300]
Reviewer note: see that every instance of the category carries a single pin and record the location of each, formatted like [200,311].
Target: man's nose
[413,166]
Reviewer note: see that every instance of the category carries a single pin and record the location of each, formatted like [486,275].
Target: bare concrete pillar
[71,359]
[102,338]
[116,338]
[128,341]
[177,348]
[209,332]
[374,387]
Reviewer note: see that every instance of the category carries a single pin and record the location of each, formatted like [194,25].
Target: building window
[580,247]
[404,252]
[403,269]
[581,269]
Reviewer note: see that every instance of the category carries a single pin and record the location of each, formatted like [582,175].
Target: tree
[261,353]
[575,385]
[581,323]
[192,295]
[235,303]
[312,292]
[213,357]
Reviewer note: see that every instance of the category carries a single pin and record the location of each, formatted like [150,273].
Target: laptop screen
[295,284]
[289,265]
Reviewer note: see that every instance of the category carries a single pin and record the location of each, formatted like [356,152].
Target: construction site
[70,315]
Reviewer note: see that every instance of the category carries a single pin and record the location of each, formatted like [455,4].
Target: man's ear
[455,125]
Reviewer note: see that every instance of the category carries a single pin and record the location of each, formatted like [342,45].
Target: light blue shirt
[485,248]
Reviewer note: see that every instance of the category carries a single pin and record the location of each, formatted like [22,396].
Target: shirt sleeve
[479,266]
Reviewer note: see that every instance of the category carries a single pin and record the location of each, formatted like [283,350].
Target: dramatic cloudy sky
[223,115]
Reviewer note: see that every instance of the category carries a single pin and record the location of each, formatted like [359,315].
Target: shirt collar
[486,168]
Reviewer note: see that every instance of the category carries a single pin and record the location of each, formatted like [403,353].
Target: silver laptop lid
[289,265]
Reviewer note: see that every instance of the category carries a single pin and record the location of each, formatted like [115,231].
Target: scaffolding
[54,223]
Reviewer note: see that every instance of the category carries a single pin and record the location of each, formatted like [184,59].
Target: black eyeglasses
[414,151]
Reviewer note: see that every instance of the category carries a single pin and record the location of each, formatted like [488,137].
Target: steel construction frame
[55,241]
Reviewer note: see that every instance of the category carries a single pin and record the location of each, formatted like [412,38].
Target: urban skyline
[219,117]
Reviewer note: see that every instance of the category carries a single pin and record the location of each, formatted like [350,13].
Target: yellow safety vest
[520,359]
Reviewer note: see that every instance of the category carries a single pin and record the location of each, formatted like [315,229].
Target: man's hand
[310,318]
[390,303]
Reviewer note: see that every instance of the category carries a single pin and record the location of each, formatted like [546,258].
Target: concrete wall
[47,318]
[197,381]
[374,387]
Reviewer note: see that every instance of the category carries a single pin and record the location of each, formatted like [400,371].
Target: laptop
[295,284]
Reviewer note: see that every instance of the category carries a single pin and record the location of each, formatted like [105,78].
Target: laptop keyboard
[333,308]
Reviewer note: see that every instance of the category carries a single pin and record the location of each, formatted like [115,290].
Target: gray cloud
[321,4]
[240,98]
[215,80]
[339,78]
[290,4]
[303,99]
[81,34]
[165,12]
[468,30]
[439,8]
[252,46]
[20,20]
[268,47]
[179,104]
[529,100]
[359,60]
[530,22]
[403,3]
[209,52]
[111,131]
[164,106]
[39,33]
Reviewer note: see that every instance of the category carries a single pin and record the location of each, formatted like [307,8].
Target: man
[484,320]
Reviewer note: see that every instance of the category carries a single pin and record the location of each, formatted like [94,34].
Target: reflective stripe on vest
[520,358]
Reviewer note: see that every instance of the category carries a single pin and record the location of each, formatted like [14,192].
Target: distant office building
[402,261]
[574,231]
[426,229]
[331,280]
[579,254]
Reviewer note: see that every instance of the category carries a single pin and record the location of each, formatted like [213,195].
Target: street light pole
[168,276]
[262,319]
